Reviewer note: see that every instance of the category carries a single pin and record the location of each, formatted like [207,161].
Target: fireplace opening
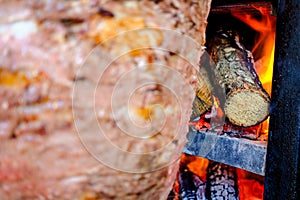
[232,165]
[255,26]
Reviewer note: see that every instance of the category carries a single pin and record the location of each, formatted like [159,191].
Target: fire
[195,164]
[264,48]
[250,186]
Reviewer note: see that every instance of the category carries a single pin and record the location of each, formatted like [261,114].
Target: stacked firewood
[231,77]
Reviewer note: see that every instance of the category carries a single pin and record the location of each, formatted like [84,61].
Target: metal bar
[249,7]
[283,153]
[237,152]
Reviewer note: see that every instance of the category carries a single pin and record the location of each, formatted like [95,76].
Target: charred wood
[221,182]
[187,187]
[191,186]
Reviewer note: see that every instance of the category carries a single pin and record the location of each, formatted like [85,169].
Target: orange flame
[263,50]
[195,164]
[250,185]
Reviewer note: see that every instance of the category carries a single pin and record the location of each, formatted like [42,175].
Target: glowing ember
[195,164]
[250,186]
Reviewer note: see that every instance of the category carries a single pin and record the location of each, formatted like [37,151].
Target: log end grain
[247,107]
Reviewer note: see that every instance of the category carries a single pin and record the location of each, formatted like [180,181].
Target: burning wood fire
[201,179]
[39,66]
[263,50]
[195,178]
[263,23]
[246,101]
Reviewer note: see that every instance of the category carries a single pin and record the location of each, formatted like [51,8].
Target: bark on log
[205,87]
[203,100]
[247,103]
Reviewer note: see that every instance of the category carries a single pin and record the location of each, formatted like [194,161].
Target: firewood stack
[246,103]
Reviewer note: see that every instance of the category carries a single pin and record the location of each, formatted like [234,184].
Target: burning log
[203,100]
[191,186]
[187,187]
[199,107]
[247,103]
[221,182]
[205,88]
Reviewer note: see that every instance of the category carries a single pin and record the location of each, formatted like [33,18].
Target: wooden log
[204,88]
[247,103]
[202,101]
